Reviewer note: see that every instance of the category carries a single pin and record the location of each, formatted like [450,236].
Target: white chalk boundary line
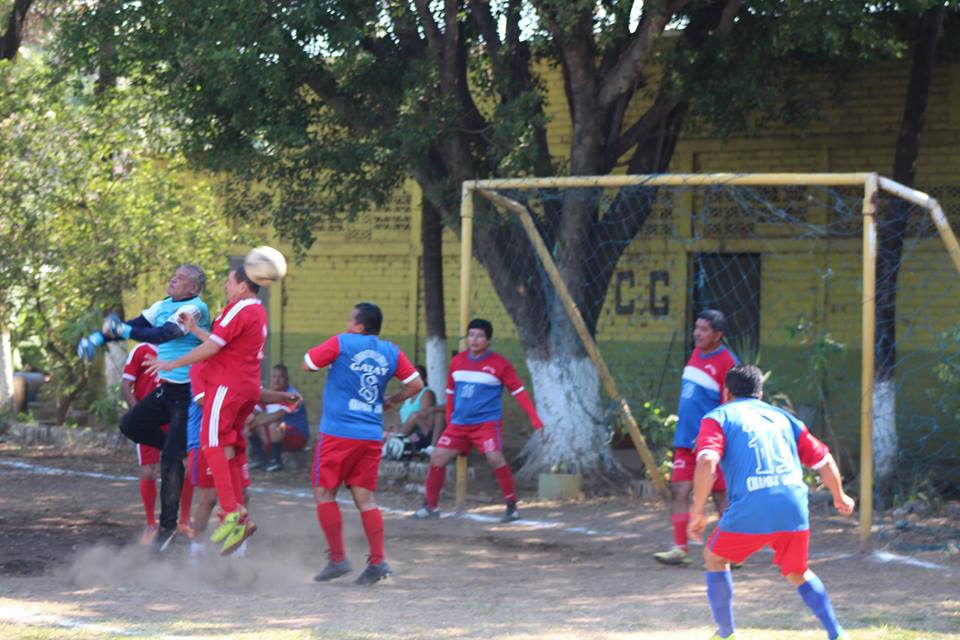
[882,557]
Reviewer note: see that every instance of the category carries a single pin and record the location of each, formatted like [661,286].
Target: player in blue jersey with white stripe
[761,449]
[161,325]
[351,431]
[700,391]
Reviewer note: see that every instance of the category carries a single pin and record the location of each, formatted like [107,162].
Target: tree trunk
[6,366]
[436,347]
[13,36]
[892,232]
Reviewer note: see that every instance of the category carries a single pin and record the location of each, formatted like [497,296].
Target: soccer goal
[837,285]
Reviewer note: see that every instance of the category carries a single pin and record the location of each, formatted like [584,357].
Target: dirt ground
[69,568]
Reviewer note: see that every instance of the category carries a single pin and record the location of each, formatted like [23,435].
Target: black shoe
[333,570]
[274,466]
[512,513]
[161,544]
[374,573]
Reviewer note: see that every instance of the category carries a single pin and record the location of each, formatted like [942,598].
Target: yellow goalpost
[871,183]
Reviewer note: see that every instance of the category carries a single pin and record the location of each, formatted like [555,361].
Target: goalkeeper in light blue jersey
[162,325]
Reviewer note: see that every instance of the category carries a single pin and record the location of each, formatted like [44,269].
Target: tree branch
[480,9]
[629,68]
[434,37]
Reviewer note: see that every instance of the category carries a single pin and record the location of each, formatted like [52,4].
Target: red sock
[222,479]
[328,514]
[186,499]
[505,479]
[680,522]
[236,479]
[148,491]
[436,476]
[373,527]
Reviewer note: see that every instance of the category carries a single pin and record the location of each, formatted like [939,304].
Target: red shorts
[202,476]
[790,548]
[486,437]
[684,464]
[293,440]
[147,455]
[224,411]
[354,463]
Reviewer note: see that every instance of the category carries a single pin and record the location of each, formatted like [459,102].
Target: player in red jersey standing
[475,416]
[701,391]
[351,432]
[231,375]
[137,384]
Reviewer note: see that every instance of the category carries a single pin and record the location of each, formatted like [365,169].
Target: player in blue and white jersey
[761,449]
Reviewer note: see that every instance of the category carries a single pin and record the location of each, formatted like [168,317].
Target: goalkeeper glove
[114,327]
[87,348]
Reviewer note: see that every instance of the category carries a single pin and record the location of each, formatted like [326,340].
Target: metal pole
[585,337]
[867,363]
[679,179]
[466,262]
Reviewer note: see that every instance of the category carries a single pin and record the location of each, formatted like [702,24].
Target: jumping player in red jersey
[761,449]
[701,391]
[137,384]
[231,376]
[351,432]
[475,416]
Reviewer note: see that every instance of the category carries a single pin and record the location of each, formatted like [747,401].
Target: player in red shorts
[136,384]
[475,416]
[701,390]
[761,449]
[231,375]
[351,432]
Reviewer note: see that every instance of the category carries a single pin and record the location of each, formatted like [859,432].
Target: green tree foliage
[95,196]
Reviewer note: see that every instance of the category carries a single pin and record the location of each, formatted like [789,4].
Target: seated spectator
[421,418]
[283,425]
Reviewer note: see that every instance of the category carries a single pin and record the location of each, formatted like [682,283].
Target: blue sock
[720,595]
[815,596]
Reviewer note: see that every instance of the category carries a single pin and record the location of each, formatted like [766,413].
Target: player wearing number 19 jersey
[761,449]
[351,432]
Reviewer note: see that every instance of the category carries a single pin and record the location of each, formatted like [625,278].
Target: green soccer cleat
[235,539]
[230,522]
[717,636]
[676,557]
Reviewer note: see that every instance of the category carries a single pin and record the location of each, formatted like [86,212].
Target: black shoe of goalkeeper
[164,540]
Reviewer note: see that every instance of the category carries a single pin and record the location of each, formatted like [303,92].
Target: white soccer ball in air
[265,265]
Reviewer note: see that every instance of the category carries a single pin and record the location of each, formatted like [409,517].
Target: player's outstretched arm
[830,474]
[205,350]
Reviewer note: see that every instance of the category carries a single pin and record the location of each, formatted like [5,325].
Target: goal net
[842,287]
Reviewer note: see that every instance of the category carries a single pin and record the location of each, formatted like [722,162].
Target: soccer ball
[265,265]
